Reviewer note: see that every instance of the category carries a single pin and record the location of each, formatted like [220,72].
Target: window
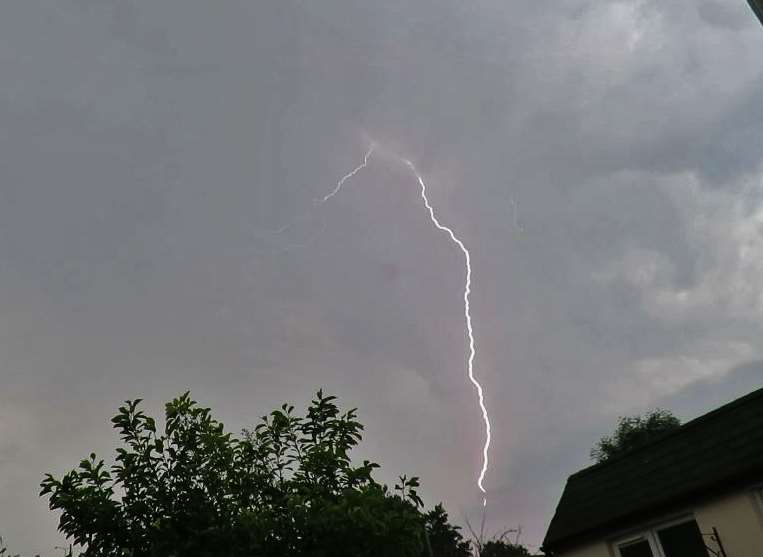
[638,548]
[682,540]
[679,539]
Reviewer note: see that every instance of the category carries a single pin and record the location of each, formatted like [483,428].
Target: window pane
[636,549]
[682,540]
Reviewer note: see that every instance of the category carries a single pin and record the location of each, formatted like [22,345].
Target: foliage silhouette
[444,538]
[502,548]
[634,431]
[286,487]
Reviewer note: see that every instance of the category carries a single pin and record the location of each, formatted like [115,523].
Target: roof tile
[716,449]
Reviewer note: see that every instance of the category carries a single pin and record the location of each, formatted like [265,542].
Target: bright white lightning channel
[467,292]
[469,329]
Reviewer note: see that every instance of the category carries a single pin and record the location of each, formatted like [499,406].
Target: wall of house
[600,549]
[739,523]
[738,518]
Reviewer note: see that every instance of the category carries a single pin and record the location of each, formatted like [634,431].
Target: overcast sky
[601,159]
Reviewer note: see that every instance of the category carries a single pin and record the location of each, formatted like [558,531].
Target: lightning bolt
[467,292]
[469,329]
[515,214]
[316,203]
[348,176]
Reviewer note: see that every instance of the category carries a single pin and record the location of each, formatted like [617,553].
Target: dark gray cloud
[599,159]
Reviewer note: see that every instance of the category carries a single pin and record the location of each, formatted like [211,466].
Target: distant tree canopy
[633,431]
[287,487]
[501,548]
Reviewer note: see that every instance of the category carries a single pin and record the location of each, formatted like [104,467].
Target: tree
[498,545]
[444,538]
[287,487]
[634,431]
[502,548]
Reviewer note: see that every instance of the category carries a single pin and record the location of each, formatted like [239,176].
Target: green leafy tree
[634,431]
[502,548]
[444,538]
[287,487]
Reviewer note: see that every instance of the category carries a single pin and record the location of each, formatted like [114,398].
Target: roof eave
[742,481]
[757,7]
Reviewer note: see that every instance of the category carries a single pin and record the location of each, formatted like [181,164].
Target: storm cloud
[601,160]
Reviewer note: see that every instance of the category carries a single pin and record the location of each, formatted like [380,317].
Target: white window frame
[647,536]
[650,534]
[757,497]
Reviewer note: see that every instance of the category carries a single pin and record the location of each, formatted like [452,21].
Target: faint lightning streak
[346,177]
[317,202]
[515,214]
[468,316]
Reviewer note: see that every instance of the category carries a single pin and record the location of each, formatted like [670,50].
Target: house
[757,7]
[694,492]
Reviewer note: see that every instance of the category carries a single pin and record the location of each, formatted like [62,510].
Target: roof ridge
[758,393]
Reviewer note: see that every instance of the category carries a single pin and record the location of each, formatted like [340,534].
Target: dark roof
[713,453]
[757,7]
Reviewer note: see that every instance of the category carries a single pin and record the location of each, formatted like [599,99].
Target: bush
[287,487]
